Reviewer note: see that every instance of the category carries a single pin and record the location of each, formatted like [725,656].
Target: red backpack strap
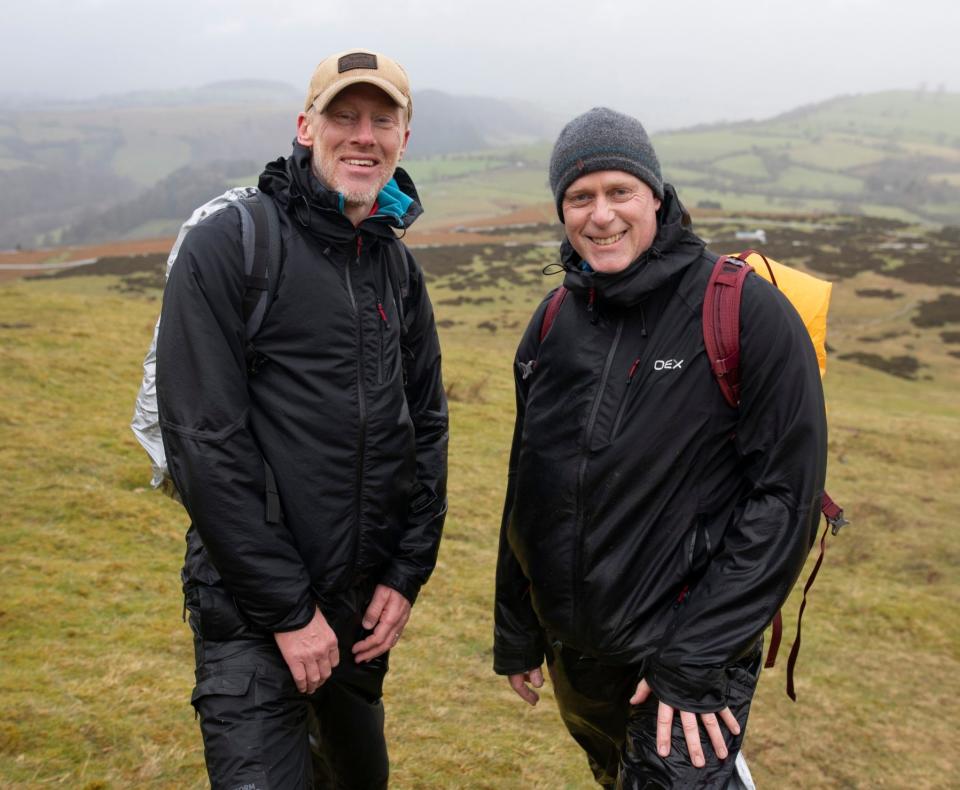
[775,636]
[721,323]
[747,253]
[552,309]
[721,336]
[795,650]
[833,513]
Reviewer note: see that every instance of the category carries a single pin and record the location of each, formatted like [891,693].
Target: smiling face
[610,218]
[357,141]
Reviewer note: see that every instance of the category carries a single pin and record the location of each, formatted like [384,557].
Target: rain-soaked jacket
[346,406]
[633,485]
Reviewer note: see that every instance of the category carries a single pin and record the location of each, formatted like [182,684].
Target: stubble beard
[325,169]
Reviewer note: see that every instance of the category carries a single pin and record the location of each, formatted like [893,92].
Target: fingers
[310,653]
[726,715]
[378,643]
[664,726]
[691,734]
[380,597]
[536,677]
[299,672]
[712,726]
[384,636]
[392,612]
[519,684]
[641,694]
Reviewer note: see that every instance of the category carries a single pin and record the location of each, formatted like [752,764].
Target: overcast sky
[671,62]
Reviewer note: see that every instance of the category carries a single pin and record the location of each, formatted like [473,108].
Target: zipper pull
[633,370]
[383,313]
[359,246]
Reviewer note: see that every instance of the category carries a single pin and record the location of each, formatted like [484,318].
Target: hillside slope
[895,153]
[72,173]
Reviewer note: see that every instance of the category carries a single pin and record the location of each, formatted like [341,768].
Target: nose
[363,131]
[602,212]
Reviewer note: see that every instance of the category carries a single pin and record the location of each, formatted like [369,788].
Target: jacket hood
[674,248]
[313,205]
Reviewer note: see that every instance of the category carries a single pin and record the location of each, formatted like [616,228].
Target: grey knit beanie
[602,139]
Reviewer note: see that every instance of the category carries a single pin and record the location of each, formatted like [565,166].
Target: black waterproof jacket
[631,478]
[346,407]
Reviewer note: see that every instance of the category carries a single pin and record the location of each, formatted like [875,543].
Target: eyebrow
[573,192]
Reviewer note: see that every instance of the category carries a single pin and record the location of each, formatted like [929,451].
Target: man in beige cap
[311,457]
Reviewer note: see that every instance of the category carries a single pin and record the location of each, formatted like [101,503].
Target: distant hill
[895,153]
[60,161]
[84,170]
[444,124]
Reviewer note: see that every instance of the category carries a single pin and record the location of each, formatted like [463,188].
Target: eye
[620,194]
[344,117]
[384,121]
[579,199]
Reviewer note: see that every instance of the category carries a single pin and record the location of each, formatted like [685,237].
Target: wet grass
[96,665]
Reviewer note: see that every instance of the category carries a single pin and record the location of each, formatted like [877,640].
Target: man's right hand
[311,653]
[519,684]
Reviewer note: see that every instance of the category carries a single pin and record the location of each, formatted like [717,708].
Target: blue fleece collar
[393,201]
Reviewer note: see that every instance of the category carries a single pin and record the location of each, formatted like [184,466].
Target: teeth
[361,162]
[609,239]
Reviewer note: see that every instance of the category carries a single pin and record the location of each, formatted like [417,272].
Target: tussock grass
[96,666]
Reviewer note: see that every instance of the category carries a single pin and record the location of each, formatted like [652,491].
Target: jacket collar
[674,248]
[313,205]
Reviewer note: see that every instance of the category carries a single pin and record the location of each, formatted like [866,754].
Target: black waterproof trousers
[259,732]
[621,739]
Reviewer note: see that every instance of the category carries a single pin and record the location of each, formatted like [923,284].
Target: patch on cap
[357,60]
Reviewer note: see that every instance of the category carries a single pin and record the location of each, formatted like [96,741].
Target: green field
[96,665]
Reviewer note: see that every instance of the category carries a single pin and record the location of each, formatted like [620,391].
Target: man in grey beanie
[651,531]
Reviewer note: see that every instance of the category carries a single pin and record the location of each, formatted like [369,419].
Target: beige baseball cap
[336,72]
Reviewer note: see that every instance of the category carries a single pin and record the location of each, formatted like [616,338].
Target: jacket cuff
[694,689]
[404,585]
[514,661]
[297,619]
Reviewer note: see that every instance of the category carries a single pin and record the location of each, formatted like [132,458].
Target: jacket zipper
[623,403]
[632,372]
[582,471]
[361,407]
[384,325]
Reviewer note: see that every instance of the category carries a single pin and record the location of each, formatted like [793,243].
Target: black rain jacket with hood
[631,479]
[346,406]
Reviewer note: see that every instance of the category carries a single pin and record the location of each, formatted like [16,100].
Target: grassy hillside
[96,671]
[893,154]
[68,164]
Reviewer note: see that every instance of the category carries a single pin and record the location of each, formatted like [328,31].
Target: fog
[671,63]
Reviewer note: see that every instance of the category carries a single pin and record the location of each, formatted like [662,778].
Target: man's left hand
[387,614]
[690,731]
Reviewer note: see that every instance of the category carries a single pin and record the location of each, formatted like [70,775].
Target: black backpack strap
[260,231]
[262,258]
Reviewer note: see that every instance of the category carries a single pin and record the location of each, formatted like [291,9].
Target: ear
[406,139]
[304,130]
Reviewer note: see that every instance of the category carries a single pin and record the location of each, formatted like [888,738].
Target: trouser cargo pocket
[214,615]
[224,702]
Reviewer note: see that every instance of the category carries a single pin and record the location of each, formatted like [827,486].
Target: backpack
[721,336]
[262,264]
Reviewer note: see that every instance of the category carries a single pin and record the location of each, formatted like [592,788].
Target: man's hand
[311,653]
[690,731]
[387,614]
[519,684]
